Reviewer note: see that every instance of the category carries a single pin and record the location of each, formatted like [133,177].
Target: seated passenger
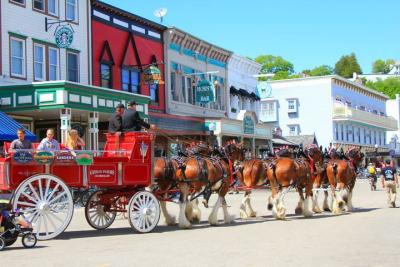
[74,142]
[115,122]
[49,143]
[131,121]
[21,142]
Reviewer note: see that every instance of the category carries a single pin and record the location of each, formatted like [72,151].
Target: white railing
[343,112]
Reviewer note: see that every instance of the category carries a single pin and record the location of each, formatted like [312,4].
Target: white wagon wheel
[47,203]
[95,214]
[143,212]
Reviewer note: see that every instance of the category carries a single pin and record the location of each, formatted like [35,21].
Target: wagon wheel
[95,214]
[143,211]
[46,202]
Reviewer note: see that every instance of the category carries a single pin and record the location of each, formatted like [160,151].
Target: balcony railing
[345,113]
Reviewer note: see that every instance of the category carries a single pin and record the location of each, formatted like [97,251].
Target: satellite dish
[160,13]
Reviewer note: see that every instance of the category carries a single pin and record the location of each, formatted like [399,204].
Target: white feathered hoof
[270,205]
[170,221]
[316,209]
[213,220]
[185,225]
[281,212]
[243,214]
[196,218]
[253,214]
[298,210]
[307,214]
[229,219]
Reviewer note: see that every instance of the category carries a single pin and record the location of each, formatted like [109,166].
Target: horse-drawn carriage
[41,182]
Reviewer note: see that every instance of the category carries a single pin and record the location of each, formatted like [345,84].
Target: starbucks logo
[64,37]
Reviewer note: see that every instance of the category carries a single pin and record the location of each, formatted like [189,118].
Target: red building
[123,45]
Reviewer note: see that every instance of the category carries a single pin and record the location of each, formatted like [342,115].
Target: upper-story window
[39,5]
[174,89]
[53,63]
[52,7]
[49,7]
[18,58]
[72,67]
[293,129]
[154,92]
[39,62]
[348,103]
[131,80]
[19,2]
[292,105]
[106,75]
[71,10]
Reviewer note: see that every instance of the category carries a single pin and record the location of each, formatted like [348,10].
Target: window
[105,73]
[348,103]
[18,67]
[336,132]
[131,80]
[38,5]
[338,99]
[154,92]
[52,7]
[39,62]
[183,89]
[71,10]
[53,64]
[293,129]
[173,87]
[72,67]
[190,90]
[20,2]
[292,105]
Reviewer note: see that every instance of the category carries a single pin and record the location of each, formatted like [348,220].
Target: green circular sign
[64,37]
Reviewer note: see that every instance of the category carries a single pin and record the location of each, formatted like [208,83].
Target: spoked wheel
[29,240]
[2,243]
[47,203]
[95,212]
[143,212]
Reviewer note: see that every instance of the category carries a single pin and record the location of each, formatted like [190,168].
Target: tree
[389,86]
[347,65]
[274,64]
[382,66]
[321,71]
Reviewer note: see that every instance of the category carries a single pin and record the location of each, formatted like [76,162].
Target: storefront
[64,105]
[255,136]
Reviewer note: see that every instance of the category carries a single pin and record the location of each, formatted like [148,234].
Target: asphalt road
[369,236]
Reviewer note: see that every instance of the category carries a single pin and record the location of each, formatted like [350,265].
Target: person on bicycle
[372,175]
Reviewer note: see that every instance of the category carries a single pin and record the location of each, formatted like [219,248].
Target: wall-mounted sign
[44,157]
[23,157]
[264,90]
[102,172]
[152,75]
[248,125]
[204,91]
[64,158]
[84,157]
[64,37]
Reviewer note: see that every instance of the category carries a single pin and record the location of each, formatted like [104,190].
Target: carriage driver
[389,181]
[115,123]
[131,121]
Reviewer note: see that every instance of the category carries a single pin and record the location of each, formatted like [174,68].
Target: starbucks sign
[248,125]
[64,37]
[204,91]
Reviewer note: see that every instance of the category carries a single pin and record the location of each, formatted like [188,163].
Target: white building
[29,53]
[393,109]
[336,110]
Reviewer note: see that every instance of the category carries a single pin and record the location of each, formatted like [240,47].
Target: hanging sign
[143,150]
[64,158]
[204,91]
[264,90]
[64,37]
[44,157]
[248,125]
[84,157]
[23,157]
[152,75]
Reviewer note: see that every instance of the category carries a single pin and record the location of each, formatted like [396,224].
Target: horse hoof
[171,221]
[341,204]
[317,210]
[205,203]
[270,206]
[298,211]
[307,214]
[253,214]
[327,209]
[185,226]
[243,215]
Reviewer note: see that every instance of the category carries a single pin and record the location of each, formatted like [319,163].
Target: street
[367,237]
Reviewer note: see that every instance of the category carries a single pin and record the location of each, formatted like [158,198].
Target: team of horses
[208,171]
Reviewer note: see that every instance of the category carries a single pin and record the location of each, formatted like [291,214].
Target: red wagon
[41,183]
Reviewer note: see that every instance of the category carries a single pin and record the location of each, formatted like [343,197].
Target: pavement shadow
[362,210]
[22,248]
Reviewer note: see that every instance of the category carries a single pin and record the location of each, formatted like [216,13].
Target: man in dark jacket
[131,121]
[115,123]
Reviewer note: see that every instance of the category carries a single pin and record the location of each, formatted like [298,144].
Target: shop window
[39,62]
[53,64]
[106,75]
[131,80]
[174,91]
[18,57]
[154,92]
[72,67]
[71,10]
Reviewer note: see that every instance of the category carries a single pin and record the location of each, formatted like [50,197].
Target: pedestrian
[74,142]
[49,143]
[389,181]
[115,122]
[21,142]
[131,121]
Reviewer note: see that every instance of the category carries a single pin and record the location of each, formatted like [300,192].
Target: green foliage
[346,65]
[274,64]
[389,86]
[321,71]
[284,75]
[382,66]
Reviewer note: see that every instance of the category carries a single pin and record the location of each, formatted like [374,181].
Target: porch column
[93,130]
[219,139]
[65,117]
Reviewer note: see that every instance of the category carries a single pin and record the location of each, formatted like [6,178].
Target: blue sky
[308,33]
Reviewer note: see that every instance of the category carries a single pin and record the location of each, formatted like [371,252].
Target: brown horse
[165,176]
[250,173]
[342,174]
[320,182]
[285,173]
[202,174]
